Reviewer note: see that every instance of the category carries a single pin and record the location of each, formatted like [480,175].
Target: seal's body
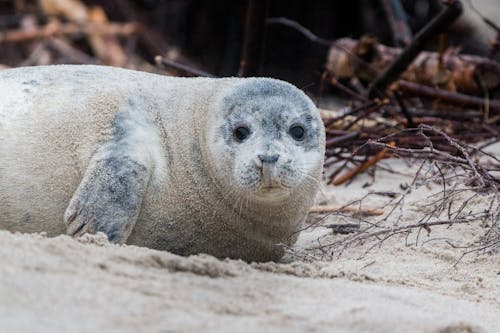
[228,167]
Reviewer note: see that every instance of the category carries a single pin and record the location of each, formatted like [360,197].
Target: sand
[406,284]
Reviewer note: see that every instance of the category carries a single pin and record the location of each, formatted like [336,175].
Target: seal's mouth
[277,196]
[275,192]
[273,188]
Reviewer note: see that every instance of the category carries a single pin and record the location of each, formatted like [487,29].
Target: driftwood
[106,48]
[451,71]
[362,167]
[415,89]
[398,22]
[255,32]
[72,10]
[56,29]
[88,36]
[436,26]
[328,209]
[183,69]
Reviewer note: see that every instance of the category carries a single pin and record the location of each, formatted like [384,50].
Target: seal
[228,167]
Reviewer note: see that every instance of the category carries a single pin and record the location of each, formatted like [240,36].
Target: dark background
[210,33]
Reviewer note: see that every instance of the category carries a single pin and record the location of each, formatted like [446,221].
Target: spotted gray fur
[109,198]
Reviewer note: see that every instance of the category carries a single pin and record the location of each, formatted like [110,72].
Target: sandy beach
[408,283]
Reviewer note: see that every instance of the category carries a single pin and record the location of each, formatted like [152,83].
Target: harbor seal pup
[228,167]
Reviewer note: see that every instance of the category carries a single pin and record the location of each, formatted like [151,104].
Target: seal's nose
[269,158]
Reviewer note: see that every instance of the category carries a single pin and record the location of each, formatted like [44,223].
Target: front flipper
[109,197]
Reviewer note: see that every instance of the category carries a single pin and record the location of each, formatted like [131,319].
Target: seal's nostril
[269,158]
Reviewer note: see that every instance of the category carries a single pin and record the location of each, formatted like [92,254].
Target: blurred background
[209,35]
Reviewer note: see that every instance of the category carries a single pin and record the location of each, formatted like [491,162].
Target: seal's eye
[241,133]
[297,132]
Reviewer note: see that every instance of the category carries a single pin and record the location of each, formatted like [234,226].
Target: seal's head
[268,142]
